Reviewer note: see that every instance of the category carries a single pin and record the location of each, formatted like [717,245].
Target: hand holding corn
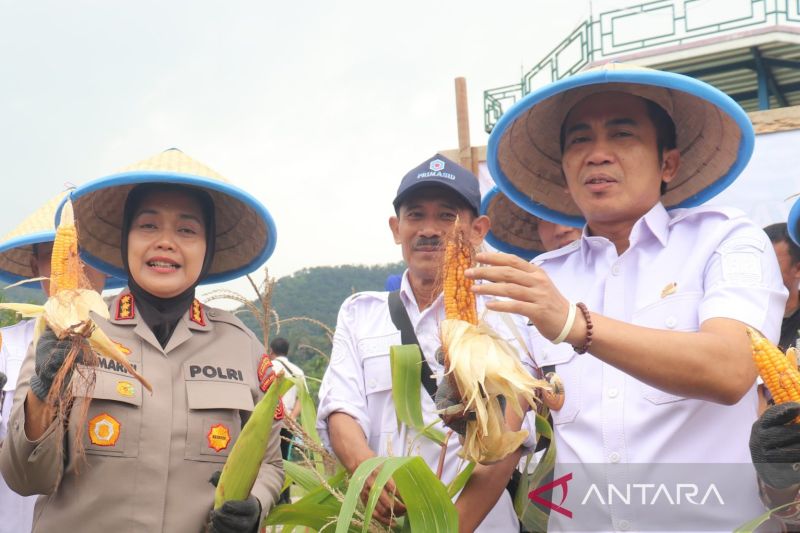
[66,314]
[480,365]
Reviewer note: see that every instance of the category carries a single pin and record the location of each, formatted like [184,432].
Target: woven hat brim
[15,256]
[793,221]
[245,239]
[513,230]
[714,134]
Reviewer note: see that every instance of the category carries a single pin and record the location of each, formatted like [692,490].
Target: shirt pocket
[568,365]
[677,312]
[113,420]
[378,389]
[214,418]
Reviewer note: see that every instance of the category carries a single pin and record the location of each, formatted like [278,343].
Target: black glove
[775,446]
[235,516]
[3,380]
[50,355]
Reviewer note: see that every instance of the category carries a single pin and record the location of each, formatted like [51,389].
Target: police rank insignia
[279,411]
[104,430]
[265,375]
[196,313]
[125,307]
[218,437]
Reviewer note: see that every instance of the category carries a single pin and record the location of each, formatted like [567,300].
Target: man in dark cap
[357,416]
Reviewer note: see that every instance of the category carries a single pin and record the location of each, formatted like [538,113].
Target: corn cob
[67,309]
[482,365]
[241,468]
[780,375]
[65,267]
[459,300]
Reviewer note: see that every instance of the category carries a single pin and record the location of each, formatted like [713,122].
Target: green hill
[315,295]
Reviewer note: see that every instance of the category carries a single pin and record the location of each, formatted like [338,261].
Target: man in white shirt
[356,416]
[656,361]
[25,254]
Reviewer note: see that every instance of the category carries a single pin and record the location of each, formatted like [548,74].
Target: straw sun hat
[714,136]
[16,248]
[245,231]
[514,230]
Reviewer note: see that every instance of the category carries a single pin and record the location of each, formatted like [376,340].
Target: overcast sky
[317,108]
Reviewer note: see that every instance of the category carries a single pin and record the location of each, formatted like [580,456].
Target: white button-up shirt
[358,382]
[16,512]
[682,267]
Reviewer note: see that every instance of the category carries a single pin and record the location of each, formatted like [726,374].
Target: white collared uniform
[358,382]
[682,268]
[290,369]
[16,512]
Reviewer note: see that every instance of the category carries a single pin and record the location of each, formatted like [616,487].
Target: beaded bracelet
[588,317]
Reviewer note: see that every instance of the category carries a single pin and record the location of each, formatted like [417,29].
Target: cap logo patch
[125,307]
[436,167]
[103,430]
[218,437]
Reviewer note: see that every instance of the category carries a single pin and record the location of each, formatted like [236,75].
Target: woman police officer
[166,224]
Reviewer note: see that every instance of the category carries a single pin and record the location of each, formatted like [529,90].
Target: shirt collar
[408,298]
[655,222]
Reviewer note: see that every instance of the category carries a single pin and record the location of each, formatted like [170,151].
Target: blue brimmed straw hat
[245,231]
[16,248]
[793,222]
[513,230]
[714,136]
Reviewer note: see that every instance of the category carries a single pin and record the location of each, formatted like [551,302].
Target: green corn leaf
[406,389]
[312,515]
[460,480]
[428,505]
[751,526]
[302,476]
[533,518]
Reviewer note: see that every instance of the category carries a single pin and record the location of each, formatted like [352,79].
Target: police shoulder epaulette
[214,314]
[684,213]
[126,307]
[196,313]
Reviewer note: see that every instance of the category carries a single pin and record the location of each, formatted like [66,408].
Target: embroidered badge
[218,437]
[126,388]
[104,430]
[122,348]
[267,381]
[670,288]
[196,314]
[279,411]
[125,307]
[263,366]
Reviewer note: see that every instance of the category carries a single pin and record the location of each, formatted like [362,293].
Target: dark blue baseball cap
[438,171]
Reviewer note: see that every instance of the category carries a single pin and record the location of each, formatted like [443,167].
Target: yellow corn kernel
[459,300]
[780,376]
[64,263]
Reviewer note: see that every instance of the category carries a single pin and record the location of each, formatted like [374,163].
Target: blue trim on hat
[794,219]
[668,80]
[39,238]
[498,243]
[150,176]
